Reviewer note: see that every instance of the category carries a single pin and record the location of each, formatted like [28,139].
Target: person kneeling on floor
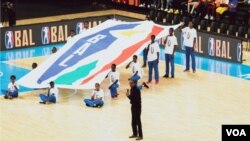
[97,98]
[136,72]
[13,88]
[52,96]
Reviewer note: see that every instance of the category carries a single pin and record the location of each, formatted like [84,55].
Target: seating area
[239,29]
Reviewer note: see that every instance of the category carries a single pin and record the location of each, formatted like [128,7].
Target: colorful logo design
[79,27]
[45,35]
[239,52]
[9,40]
[211,46]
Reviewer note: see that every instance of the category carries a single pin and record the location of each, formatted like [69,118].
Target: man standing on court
[135,100]
[170,46]
[153,60]
[189,41]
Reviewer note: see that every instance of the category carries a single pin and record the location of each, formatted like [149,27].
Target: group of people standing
[151,59]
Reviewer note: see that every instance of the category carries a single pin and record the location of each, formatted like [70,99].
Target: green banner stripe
[77,74]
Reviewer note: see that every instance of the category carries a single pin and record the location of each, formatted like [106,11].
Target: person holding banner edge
[170,46]
[153,60]
[189,41]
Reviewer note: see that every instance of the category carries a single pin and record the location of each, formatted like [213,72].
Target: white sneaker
[166,10]
[142,5]
[212,17]
[170,11]
[176,11]
[206,17]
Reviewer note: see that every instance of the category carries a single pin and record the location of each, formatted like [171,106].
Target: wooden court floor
[191,107]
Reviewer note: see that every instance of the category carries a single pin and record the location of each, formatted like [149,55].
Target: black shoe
[133,136]
[6,97]
[139,138]
[186,70]
[165,76]
[144,66]
[172,76]
[42,102]
[145,85]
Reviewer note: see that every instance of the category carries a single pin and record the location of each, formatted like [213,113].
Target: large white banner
[87,58]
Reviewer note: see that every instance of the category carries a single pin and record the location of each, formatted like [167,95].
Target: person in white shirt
[170,46]
[190,36]
[13,88]
[97,98]
[153,60]
[52,96]
[136,72]
[114,77]
[72,34]
[85,27]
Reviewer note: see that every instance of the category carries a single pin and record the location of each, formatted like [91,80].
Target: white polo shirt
[54,91]
[12,88]
[98,94]
[113,76]
[136,67]
[189,35]
[170,43]
[152,52]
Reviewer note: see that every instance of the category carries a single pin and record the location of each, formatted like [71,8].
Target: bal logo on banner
[87,58]
[85,47]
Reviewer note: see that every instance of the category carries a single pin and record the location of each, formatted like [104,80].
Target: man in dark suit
[135,99]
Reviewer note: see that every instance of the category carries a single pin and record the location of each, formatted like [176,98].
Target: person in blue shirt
[232,10]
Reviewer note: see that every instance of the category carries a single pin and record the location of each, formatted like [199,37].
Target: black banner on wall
[42,34]
[18,37]
[215,46]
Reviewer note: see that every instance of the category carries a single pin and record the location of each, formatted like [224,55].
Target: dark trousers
[201,11]
[145,51]
[190,52]
[153,65]
[169,60]
[136,121]
[232,16]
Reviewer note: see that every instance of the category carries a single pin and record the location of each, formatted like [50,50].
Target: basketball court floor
[193,106]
